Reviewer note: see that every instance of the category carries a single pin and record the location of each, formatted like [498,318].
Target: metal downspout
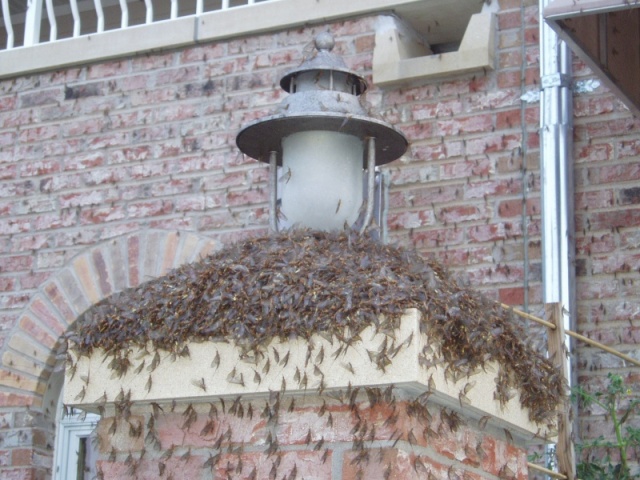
[556,167]
[556,164]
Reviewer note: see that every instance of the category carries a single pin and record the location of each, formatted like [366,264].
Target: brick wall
[312,438]
[94,156]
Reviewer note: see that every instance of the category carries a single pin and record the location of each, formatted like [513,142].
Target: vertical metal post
[225,4]
[199,7]
[273,191]
[6,15]
[32,23]
[371,182]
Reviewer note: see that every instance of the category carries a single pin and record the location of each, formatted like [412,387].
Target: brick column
[311,437]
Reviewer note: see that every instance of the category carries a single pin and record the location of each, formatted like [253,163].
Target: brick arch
[28,356]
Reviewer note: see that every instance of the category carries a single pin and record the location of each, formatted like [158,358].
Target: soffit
[606,35]
[442,21]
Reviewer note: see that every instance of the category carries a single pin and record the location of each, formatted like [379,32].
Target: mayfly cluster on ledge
[301,283]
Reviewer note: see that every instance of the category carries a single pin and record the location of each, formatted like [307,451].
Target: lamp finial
[324,41]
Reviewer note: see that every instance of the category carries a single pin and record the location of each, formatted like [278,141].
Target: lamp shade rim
[265,135]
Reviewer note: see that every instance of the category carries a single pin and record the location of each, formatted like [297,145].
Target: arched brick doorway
[29,355]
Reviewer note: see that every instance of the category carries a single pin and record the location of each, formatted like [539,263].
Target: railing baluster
[76,18]
[32,22]
[149,6]
[124,16]
[7,23]
[100,15]
[53,23]
[33,17]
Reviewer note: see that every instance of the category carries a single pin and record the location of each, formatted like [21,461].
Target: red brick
[21,457]
[492,143]
[149,208]
[34,330]
[594,200]
[411,219]
[428,111]
[99,215]
[247,197]
[307,464]
[454,257]
[6,284]
[39,168]
[385,463]
[15,263]
[102,272]
[430,196]
[175,467]
[418,131]
[511,296]
[436,238]
[461,213]
[464,169]
[462,125]
[108,69]
[57,298]
[133,253]
[513,208]
[509,20]
[429,152]
[19,474]
[8,172]
[590,106]
[170,431]
[595,152]
[614,219]
[43,313]
[11,226]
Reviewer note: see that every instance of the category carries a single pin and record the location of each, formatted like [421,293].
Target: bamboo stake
[610,350]
[546,471]
[529,316]
[558,353]
[573,334]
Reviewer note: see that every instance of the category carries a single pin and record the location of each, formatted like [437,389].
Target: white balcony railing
[32,22]
[41,35]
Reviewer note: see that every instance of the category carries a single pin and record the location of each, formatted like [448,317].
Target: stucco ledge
[215,370]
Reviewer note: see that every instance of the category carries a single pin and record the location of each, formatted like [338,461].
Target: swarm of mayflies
[300,283]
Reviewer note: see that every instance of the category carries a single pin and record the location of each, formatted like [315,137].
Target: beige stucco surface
[218,369]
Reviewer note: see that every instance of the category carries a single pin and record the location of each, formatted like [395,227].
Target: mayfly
[286,176]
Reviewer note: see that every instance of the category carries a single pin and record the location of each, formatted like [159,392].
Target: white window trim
[70,430]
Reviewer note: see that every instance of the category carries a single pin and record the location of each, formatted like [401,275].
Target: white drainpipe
[556,166]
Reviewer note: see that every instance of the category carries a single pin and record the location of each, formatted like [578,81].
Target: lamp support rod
[273,189]
[371,182]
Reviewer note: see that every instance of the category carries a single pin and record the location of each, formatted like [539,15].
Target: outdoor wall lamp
[322,137]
